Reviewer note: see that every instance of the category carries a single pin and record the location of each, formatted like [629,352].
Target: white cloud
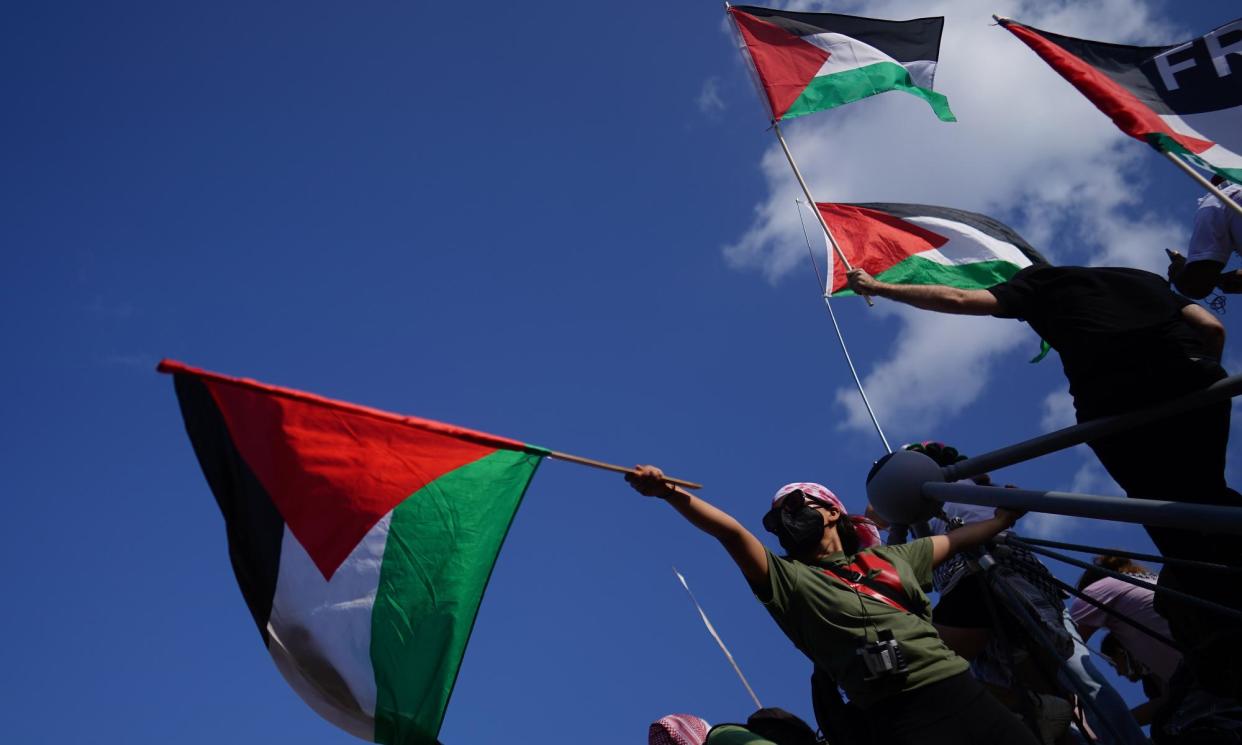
[1058,411]
[1091,478]
[1028,149]
[1047,525]
[709,100]
[922,381]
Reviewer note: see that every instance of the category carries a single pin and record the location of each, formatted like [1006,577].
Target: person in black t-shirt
[1127,342]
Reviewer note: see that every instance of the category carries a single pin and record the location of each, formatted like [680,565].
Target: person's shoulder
[903,551]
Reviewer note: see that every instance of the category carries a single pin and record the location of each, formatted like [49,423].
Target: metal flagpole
[712,630]
[825,287]
[1203,182]
[857,381]
[832,241]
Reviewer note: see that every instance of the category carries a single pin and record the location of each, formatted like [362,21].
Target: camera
[883,657]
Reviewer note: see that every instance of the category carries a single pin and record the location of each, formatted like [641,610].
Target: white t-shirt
[1218,229]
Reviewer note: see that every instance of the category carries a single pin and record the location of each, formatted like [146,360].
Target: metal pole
[826,289]
[1127,578]
[1203,182]
[806,190]
[1092,430]
[857,380]
[1187,516]
[1166,560]
[1071,590]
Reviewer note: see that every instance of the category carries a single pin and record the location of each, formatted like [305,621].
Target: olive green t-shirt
[828,621]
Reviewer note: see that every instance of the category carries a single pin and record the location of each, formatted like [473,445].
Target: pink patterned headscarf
[678,729]
[866,531]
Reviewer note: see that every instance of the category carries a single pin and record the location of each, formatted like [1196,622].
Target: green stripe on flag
[1166,144]
[442,544]
[915,271]
[827,91]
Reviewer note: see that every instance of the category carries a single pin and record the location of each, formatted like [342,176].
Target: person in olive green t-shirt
[831,597]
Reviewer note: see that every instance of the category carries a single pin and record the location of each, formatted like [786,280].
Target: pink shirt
[1132,602]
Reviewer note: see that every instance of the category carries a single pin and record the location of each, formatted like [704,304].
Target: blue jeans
[1106,712]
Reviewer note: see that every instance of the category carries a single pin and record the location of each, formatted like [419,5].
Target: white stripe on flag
[967,245]
[1221,127]
[322,701]
[326,626]
[846,53]
[922,72]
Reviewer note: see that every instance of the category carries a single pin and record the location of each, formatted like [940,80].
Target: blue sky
[560,223]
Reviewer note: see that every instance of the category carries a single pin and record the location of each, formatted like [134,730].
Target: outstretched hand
[861,282]
[649,481]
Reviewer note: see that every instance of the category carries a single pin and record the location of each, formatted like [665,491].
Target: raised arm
[971,535]
[939,298]
[743,547]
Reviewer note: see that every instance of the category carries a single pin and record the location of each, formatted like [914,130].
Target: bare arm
[743,547]
[940,298]
[971,535]
[1211,329]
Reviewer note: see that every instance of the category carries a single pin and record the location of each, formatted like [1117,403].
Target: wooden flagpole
[613,467]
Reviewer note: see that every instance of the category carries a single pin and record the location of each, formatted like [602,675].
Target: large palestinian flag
[1183,98]
[917,244]
[808,62]
[362,541]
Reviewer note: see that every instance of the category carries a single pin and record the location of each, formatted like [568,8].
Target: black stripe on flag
[984,224]
[254,526]
[904,41]
[1188,65]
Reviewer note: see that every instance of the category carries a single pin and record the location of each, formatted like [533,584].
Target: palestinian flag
[1183,98]
[362,541]
[916,244]
[808,62]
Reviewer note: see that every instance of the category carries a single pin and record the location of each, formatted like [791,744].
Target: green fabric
[1044,349]
[442,544]
[734,734]
[828,621]
[917,271]
[828,91]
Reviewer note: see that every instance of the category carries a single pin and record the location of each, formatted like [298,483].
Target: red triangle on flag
[873,240]
[333,470]
[785,63]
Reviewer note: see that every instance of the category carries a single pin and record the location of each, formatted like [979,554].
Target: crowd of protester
[1000,658]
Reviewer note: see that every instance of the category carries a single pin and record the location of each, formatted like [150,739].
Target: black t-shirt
[1118,330]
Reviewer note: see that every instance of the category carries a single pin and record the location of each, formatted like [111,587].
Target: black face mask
[799,530]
